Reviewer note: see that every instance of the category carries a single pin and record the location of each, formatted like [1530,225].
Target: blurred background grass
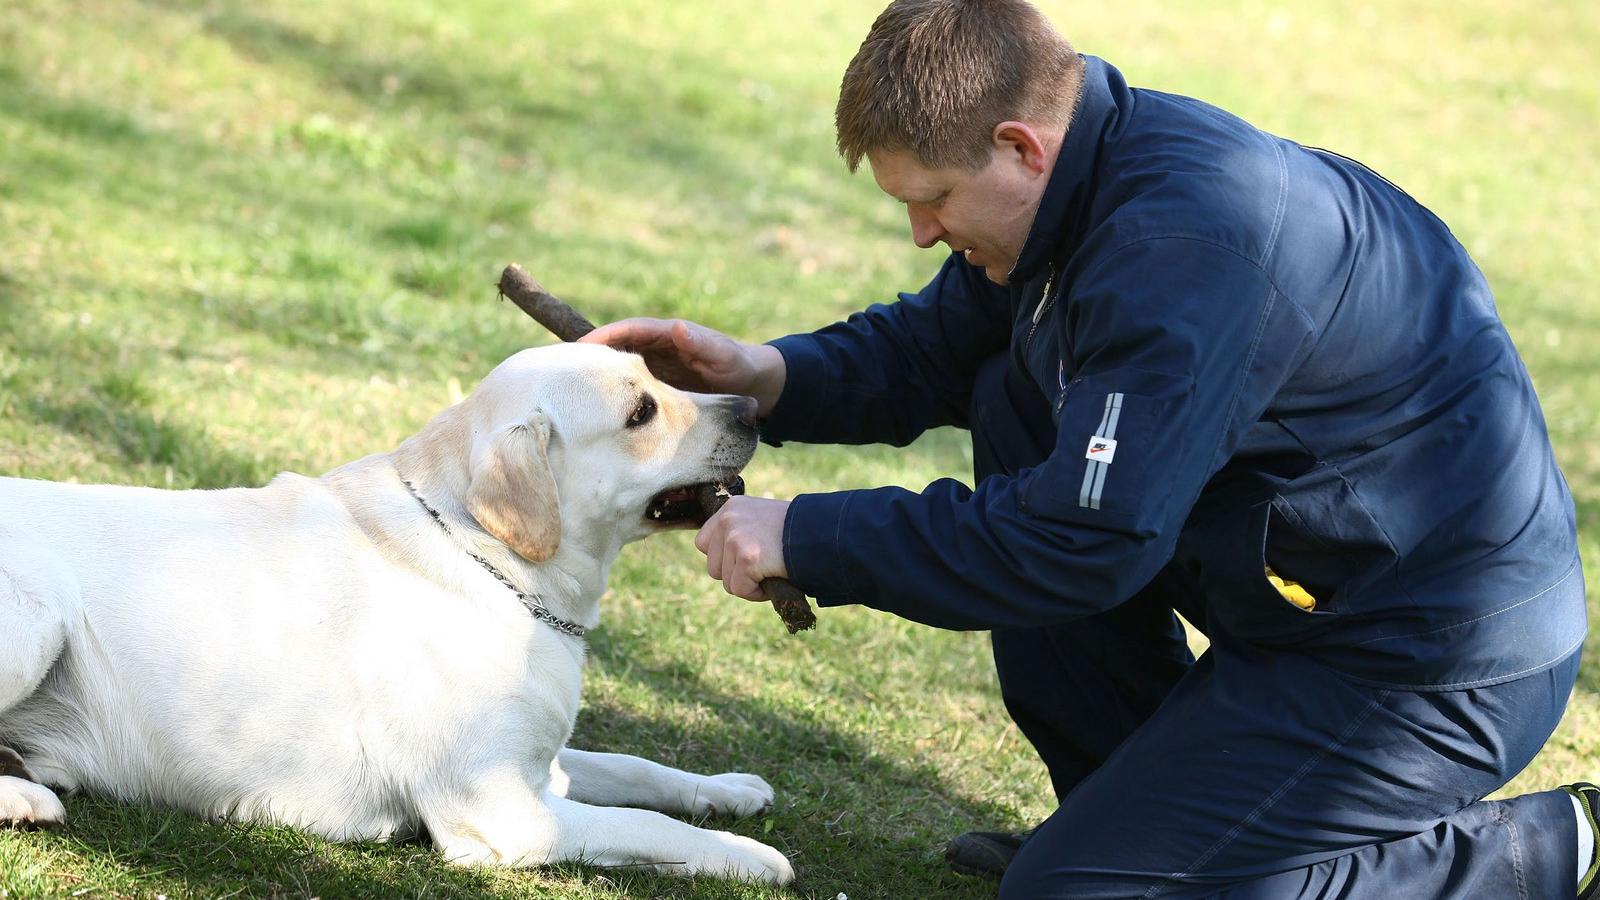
[238,238]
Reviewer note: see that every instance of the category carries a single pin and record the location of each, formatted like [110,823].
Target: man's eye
[644,412]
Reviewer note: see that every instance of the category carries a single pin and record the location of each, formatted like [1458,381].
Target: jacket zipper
[1045,303]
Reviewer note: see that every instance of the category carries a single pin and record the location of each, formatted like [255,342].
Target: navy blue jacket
[1283,359]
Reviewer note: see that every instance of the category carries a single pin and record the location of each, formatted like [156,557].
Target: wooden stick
[562,320]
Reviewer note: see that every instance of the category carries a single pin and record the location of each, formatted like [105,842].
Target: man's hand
[693,357]
[743,544]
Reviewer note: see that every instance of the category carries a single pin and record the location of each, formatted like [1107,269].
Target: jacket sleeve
[1177,345]
[891,372]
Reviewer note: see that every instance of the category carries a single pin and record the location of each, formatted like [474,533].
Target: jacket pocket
[1113,434]
[1230,558]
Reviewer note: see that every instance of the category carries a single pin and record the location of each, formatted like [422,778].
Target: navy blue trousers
[1255,773]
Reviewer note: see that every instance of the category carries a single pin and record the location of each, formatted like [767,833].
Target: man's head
[959,107]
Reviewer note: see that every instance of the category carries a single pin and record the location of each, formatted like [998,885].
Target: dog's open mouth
[690,504]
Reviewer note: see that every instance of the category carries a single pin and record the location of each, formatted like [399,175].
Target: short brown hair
[935,76]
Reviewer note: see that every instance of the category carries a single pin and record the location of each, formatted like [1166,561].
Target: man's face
[984,214]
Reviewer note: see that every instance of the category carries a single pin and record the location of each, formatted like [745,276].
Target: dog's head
[579,442]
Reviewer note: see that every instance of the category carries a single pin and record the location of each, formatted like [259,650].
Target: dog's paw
[733,794]
[747,860]
[24,804]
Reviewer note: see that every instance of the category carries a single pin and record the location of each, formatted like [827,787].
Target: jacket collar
[1063,210]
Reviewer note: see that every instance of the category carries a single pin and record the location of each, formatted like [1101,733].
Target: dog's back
[128,608]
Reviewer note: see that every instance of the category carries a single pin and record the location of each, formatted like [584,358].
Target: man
[1205,370]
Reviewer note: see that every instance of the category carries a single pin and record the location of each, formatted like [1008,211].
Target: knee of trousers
[1069,856]
[1037,875]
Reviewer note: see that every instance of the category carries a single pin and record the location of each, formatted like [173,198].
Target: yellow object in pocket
[1292,591]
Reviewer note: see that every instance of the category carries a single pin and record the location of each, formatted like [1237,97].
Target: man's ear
[1019,140]
[513,492]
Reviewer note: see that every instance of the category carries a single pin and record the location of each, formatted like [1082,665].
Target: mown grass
[239,238]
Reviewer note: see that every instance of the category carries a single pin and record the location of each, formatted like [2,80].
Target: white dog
[394,645]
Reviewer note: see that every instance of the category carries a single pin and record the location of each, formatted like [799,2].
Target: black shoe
[1589,798]
[984,853]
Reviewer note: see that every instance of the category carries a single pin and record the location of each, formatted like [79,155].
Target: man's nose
[925,228]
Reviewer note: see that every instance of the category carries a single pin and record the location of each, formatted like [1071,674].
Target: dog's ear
[513,492]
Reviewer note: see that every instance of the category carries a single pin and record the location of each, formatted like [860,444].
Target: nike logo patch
[1101,449]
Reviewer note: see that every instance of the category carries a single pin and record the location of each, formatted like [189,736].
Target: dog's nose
[744,410]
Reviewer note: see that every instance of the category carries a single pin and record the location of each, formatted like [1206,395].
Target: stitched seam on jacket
[1387,539]
[1565,576]
[1272,799]
[1283,198]
[1181,236]
[1273,293]
[1434,688]
[1501,679]
[838,541]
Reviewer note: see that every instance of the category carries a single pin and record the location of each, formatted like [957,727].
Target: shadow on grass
[81,384]
[131,848]
[842,809]
[533,102]
[334,299]
[641,122]
[137,436]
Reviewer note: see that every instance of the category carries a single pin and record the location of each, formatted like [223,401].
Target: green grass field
[239,238]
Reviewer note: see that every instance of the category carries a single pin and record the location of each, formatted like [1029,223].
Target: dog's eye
[644,412]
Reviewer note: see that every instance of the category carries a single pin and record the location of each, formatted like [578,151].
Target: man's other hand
[693,357]
[743,544]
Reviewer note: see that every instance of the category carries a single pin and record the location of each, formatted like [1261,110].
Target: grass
[238,238]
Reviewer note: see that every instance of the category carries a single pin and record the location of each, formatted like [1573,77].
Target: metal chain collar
[531,603]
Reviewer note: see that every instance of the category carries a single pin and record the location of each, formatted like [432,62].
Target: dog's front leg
[506,821]
[615,779]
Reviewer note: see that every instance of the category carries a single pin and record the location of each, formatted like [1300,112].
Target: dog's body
[322,652]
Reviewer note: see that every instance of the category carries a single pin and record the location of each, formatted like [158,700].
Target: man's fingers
[708,540]
[683,336]
[740,543]
[741,585]
[636,332]
[738,580]
[699,346]
[714,561]
[703,537]
[615,333]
